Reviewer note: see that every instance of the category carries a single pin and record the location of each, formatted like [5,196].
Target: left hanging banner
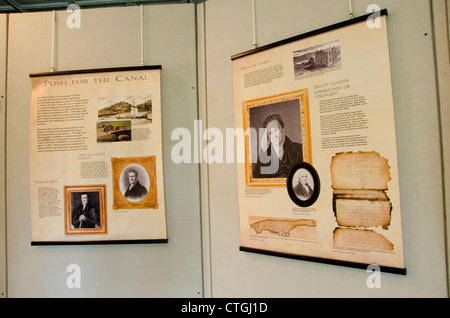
[96,166]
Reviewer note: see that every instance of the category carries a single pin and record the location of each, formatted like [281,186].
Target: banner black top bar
[311,33]
[98,70]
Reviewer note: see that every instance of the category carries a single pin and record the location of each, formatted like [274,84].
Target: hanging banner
[96,166]
[319,180]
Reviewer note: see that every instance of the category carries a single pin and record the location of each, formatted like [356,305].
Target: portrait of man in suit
[85,214]
[276,145]
[304,188]
[135,190]
[85,209]
[134,183]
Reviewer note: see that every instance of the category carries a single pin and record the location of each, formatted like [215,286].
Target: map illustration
[293,228]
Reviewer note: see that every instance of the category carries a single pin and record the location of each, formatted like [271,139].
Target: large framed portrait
[278,138]
[85,209]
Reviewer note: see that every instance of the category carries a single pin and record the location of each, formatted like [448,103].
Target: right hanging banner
[317,171]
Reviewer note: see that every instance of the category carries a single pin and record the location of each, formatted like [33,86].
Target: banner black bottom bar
[384,269]
[157,241]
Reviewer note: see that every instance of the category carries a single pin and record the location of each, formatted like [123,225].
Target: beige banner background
[346,72]
[82,125]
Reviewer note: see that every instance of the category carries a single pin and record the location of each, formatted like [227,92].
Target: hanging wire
[254,24]
[52,67]
[142,35]
[350,8]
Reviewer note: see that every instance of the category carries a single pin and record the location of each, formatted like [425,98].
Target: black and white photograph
[303,184]
[279,137]
[134,183]
[280,144]
[85,209]
[319,58]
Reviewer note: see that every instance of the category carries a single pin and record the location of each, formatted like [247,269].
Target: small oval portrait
[303,184]
[134,183]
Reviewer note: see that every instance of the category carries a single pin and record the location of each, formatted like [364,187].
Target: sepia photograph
[138,109]
[319,58]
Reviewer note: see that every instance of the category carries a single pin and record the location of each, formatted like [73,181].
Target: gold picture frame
[145,167]
[96,195]
[294,107]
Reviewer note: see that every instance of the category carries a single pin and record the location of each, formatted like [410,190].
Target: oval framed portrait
[303,184]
